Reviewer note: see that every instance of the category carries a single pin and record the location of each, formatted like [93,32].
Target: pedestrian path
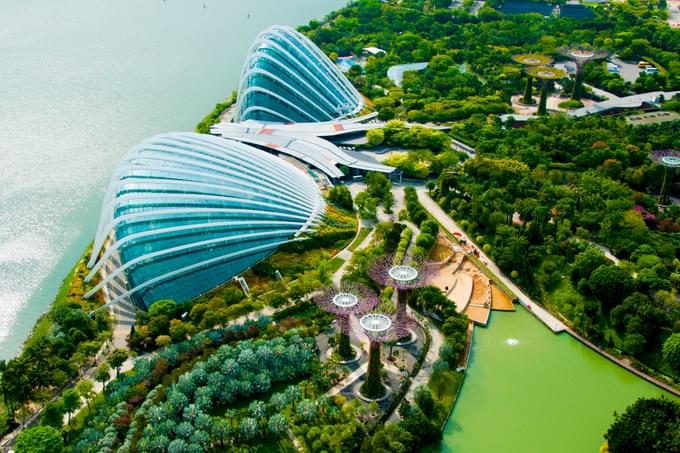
[353,376]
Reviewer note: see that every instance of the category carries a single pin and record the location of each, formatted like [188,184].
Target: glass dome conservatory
[186,212]
[287,79]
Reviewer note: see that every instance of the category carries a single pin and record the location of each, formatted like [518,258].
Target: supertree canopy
[530,60]
[670,160]
[350,299]
[417,273]
[546,74]
[581,55]
[378,328]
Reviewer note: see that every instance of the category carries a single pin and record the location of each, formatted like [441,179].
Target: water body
[81,81]
[528,390]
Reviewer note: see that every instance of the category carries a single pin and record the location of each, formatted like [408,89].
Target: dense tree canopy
[41,439]
[650,425]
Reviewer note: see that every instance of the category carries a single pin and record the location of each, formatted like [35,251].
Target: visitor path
[396,72]
[423,376]
[449,224]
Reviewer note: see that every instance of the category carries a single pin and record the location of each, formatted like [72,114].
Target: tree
[377,184]
[163,340]
[390,438]
[102,373]
[611,284]
[307,410]
[651,425]
[247,428]
[431,299]
[634,343]
[586,262]
[166,308]
[375,137]
[278,424]
[424,400]
[40,439]
[53,415]
[117,358]
[671,351]
[222,432]
[341,195]
[416,423]
[86,391]
[70,401]
[367,205]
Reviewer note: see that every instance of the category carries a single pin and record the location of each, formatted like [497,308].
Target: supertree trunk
[373,387]
[578,85]
[664,196]
[401,318]
[542,105]
[529,91]
[344,346]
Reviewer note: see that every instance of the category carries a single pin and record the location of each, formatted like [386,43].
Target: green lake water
[82,81]
[528,390]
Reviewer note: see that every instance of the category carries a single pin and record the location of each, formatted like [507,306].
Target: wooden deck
[500,300]
[478,314]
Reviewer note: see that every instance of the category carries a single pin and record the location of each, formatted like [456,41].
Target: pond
[529,390]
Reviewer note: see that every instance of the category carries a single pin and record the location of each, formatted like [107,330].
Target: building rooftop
[309,148]
[374,51]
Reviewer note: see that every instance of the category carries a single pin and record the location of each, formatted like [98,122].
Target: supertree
[417,273]
[529,60]
[350,299]
[378,328]
[670,160]
[580,56]
[546,74]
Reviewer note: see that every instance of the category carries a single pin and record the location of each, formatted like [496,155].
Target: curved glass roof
[187,212]
[287,79]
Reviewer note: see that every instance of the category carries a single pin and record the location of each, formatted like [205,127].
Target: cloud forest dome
[286,78]
[186,212]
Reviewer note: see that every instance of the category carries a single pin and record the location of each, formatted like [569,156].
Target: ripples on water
[81,81]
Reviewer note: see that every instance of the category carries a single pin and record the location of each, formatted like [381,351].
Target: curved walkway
[396,72]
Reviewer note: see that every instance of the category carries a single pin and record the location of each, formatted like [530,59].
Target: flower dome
[287,79]
[186,212]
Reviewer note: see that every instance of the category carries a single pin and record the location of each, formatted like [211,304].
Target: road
[629,72]
[448,223]
[396,73]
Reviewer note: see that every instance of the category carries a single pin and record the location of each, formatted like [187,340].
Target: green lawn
[334,264]
[363,233]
